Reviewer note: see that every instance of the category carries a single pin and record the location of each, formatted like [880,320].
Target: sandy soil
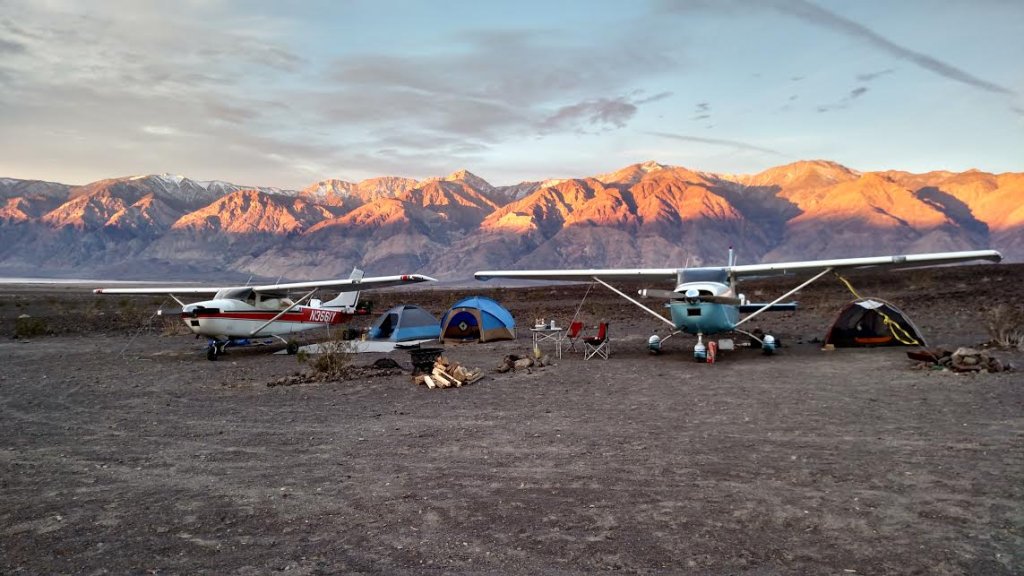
[122,450]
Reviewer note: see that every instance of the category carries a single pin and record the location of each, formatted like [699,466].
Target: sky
[285,94]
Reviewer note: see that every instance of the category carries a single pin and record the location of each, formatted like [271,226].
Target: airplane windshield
[245,294]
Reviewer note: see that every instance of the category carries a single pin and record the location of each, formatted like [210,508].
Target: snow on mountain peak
[469,178]
[651,166]
[171,178]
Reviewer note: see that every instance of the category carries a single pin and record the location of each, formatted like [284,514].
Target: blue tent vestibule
[477,318]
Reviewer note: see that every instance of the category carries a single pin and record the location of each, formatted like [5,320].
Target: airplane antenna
[249,281]
[732,257]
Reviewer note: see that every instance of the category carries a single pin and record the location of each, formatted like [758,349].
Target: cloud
[160,130]
[124,78]
[11,47]
[649,99]
[702,111]
[868,77]
[492,86]
[718,142]
[234,87]
[846,100]
[600,113]
[819,16]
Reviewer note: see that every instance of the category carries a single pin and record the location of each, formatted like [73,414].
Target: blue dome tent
[477,318]
[405,322]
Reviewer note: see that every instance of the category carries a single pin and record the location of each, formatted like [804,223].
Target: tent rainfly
[405,322]
[872,322]
[477,318]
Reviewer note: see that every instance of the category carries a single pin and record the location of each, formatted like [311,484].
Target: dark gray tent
[872,322]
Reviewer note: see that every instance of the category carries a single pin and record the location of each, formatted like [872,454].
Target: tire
[211,353]
[292,348]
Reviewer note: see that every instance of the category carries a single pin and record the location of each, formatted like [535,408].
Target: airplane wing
[903,261]
[581,275]
[346,285]
[158,290]
[900,261]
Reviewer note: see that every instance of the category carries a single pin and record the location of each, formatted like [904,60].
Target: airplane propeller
[690,296]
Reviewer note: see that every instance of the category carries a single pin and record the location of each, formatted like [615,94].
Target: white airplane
[238,313]
[705,300]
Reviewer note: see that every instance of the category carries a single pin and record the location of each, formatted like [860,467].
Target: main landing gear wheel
[292,347]
[214,350]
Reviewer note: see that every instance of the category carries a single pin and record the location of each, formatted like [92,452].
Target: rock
[522,363]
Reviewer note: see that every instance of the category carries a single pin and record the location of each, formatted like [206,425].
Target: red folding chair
[573,334]
[597,345]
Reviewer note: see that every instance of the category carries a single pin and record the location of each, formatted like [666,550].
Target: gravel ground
[122,450]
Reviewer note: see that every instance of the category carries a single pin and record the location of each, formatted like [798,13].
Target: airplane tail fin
[347,301]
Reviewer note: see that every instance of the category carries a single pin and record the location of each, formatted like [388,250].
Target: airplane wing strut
[285,311]
[784,296]
[645,308]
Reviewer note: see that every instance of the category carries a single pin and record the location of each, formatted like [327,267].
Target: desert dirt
[123,450]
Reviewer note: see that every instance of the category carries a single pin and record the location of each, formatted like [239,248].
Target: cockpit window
[244,294]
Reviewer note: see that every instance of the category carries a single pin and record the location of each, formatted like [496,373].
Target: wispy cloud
[819,16]
[492,87]
[11,47]
[846,101]
[160,130]
[869,76]
[702,111]
[599,114]
[814,14]
[718,142]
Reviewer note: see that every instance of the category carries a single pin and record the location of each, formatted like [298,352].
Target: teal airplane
[706,301]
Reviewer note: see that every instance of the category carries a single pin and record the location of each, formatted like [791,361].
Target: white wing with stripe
[340,285]
[581,275]
[899,261]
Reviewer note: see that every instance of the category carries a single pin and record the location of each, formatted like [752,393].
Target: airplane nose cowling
[195,311]
[693,296]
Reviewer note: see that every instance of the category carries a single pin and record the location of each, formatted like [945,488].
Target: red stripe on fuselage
[304,316]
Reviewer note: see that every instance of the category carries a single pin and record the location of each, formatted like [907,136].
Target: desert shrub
[172,326]
[27,327]
[1005,324]
[334,358]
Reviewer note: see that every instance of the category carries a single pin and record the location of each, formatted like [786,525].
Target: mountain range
[644,215]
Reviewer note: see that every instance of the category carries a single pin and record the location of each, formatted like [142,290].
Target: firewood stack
[448,374]
[962,360]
